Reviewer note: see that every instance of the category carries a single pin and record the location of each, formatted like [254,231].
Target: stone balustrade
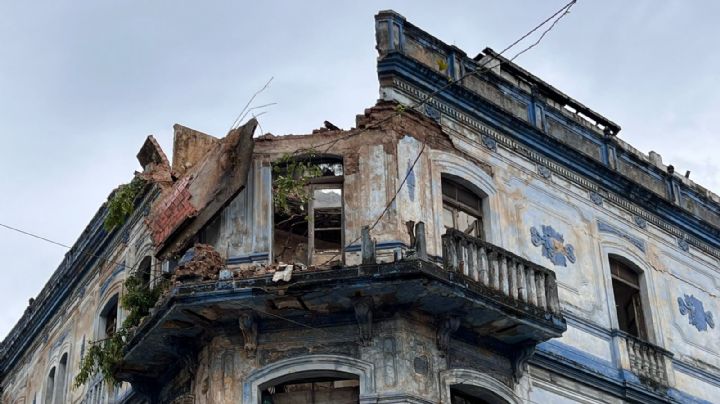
[501,270]
[648,361]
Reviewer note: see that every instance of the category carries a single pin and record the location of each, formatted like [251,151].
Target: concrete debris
[284,275]
[205,264]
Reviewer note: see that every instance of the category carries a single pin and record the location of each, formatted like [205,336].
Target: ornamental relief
[553,245]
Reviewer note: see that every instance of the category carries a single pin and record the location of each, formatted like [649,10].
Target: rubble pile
[200,263]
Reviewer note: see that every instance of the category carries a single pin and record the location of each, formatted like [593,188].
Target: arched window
[462,207]
[145,269]
[60,379]
[469,394]
[50,387]
[308,225]
[108,318]
[311,387]
[628,298]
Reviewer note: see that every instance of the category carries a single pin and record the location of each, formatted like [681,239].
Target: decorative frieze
[641,214]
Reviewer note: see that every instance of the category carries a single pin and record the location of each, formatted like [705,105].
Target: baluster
[513,284]
[493,256]
[462,257]
[645,362]
[636,364]
[652,363]
[503,277]
[530,276]
[522,283]
[551,294]
[484,266]
[472,261]
[540,289]
[452,254]
[660,370]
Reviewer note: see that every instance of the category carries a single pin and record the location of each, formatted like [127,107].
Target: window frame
[456,206]
[630,277]
[318,183]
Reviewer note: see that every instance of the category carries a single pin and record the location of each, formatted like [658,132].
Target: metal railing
[501,270]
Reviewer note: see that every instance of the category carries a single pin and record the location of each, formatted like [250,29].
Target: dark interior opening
[319,390]
[628,302]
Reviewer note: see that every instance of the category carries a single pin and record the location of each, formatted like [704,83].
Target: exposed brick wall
[171,211]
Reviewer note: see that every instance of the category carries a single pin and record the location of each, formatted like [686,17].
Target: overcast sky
[82,83]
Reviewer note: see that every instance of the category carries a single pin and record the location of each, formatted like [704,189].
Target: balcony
[649,362]
[514,279]
[482,295]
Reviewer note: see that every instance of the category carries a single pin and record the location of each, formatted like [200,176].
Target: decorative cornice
[92,246]
[597,178]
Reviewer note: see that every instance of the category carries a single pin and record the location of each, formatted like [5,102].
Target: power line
[81,252]
[562,12]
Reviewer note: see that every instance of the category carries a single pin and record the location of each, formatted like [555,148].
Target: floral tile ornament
[696,313]
[553,245]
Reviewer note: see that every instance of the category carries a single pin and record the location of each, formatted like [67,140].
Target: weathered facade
[494,243]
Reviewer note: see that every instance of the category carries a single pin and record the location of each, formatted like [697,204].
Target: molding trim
[471,377]
[317,365]
[591,178]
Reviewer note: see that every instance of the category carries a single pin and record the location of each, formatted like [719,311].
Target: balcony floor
[324,298]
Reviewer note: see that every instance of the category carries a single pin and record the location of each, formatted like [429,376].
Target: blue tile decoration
[596,198]
[553,245]
[696,313]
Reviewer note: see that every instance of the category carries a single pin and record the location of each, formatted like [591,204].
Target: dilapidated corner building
[530,256]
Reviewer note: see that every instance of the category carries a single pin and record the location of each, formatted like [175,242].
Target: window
[318,390]
[462,208]
[50,387]
[60,380]
[626,290]
[468,394]
[311,233]
[109,318]
[145,270]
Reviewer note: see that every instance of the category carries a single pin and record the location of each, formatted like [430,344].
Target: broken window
[109,318]
[462,208]
[313,391]
[626,289]
[309,226]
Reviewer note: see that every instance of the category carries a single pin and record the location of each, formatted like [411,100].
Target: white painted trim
[471,377]
[326,365]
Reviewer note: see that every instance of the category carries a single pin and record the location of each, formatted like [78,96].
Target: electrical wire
[483,68]
[562,12]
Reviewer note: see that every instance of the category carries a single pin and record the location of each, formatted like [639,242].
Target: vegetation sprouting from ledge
[103,355]
[291,176]
[122,203]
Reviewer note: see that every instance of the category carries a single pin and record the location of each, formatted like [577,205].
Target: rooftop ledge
[329,297]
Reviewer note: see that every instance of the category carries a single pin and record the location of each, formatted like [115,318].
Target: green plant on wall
[104,355]
[291,176]
[122,203]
